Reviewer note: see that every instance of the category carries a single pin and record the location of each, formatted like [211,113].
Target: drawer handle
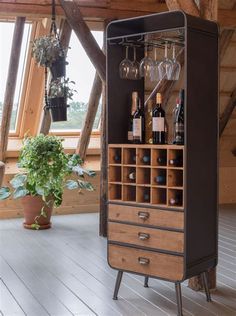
[143,215]
[143,261]
[143,236]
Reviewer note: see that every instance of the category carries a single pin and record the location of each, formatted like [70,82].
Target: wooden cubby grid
[156,181]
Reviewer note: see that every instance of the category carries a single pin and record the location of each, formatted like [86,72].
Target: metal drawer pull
[143,236]
[143,215]
[143,261]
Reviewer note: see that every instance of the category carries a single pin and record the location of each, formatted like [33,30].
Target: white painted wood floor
[63,271]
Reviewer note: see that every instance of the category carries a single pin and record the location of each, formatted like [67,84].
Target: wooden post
[65,39]
[11,85]
[93,103]
[2,171]
[85,36]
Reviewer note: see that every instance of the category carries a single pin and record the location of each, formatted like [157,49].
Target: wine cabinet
[163,199]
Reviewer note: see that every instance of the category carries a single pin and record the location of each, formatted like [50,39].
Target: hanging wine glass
[155,72]
[125,65]
[174,72]
[134,70]
[146,65]
[166,65]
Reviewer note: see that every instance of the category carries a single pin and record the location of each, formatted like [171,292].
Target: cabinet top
[159,22]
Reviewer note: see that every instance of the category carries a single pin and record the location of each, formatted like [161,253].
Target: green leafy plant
[60,88]
[45,172]
[46,50]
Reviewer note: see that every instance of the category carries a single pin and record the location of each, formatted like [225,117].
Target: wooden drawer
[146,262]
[146,216]
[146,237]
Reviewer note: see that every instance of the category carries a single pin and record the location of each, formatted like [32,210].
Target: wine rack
[142,174]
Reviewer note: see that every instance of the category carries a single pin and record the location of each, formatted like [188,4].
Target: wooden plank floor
[63,271]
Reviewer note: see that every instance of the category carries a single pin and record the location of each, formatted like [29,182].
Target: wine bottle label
[130,136]
[137,127]
[158,124]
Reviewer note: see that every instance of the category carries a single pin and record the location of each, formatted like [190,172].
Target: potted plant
[48,52]
[45,171]
[59,92]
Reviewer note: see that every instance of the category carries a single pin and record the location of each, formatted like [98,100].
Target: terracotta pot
[32,206]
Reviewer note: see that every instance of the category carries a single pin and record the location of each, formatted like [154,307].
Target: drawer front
[146,237]
[146,216]
[151,263]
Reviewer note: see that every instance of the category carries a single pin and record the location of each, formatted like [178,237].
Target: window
[80,70]
[6,36]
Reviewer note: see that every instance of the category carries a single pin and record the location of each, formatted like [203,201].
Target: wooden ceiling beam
[209,9]
[82,31]
[11,85]
[189,6]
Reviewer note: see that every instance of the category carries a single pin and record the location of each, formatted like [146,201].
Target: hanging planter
[58,68]
[59,92]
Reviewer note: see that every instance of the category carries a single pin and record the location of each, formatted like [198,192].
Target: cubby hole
[159,157]
[159,196]
[159,176]
[129,175]
[143,175]
[143,195]
[115,156]
[175,158]
[175,198]
[144,157]
[129,193]
[114,191]
[114,174]
[129,156]
[175,178]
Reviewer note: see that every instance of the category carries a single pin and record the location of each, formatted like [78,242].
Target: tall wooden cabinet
[146,234]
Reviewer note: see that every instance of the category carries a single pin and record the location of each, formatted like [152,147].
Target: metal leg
[117,286]
[178,298]
[205,285]
[146,281]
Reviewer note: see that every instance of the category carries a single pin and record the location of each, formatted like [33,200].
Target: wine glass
[174,72]
[165,66]
[146,65]
[125,65]
[155,72]
[134,70]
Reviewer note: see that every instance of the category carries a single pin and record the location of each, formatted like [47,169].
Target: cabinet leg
[205,285]
[178,298]
[117,286]
[146,281]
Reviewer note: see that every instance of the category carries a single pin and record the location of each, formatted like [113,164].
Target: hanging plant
[59,93]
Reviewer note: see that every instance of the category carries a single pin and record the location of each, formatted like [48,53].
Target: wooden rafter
[65,39]
[189,6]
[93,103]
[11,85]
[209,9]
[225,38]
[82,31]
[227,112]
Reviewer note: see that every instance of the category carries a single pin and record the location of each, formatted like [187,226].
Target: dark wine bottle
[146,197]
[160,179]
[117,157]
[176,200]
[132,111]
[161,160]
[178,120]
[132,176]
[158,122]
[138,123]
[176,162]
[146,159]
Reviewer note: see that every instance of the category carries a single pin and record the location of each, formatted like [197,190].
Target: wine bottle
[160,179]
[178,120]
[176,162]
[132,110]
[161,160]
[117,157]
[146,159]
[132,176]
[146,197]
[158,122]
[148,122]
[176,200]
[138,123]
